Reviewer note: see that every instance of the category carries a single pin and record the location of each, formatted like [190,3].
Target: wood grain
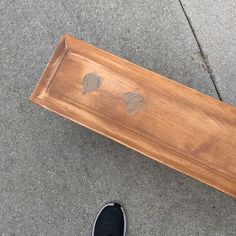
[166,121]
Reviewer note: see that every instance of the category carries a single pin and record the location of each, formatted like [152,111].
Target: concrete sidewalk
[214,25]
[54,174]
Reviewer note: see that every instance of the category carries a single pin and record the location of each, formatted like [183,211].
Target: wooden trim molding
[164,120]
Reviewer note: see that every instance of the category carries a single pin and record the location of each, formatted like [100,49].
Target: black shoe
[110,221]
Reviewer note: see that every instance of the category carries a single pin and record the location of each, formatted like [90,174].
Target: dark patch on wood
[91,82]
[134,102]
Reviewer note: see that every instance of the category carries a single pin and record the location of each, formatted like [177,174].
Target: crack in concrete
[204,57]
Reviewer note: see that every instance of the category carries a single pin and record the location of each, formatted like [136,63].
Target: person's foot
[111,221]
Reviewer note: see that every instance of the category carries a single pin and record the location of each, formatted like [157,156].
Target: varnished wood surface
[166,121]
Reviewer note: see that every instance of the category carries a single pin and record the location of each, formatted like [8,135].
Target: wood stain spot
[91,82]
[134,102]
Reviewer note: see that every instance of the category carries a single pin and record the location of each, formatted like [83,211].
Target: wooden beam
[164,120]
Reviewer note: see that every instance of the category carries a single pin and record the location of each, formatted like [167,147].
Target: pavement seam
[204,57]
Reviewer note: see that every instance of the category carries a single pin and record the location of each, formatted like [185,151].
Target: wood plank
[164,120]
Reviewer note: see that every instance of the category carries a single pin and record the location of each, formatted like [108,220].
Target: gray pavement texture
[214,23]
[54,174]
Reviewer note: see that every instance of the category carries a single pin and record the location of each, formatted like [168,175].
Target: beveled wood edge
[47,76]
[167,157]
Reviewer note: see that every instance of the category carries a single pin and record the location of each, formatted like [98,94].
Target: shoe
[111,221]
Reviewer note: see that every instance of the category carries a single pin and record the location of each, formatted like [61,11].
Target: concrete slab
[214,24]
[54,174]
